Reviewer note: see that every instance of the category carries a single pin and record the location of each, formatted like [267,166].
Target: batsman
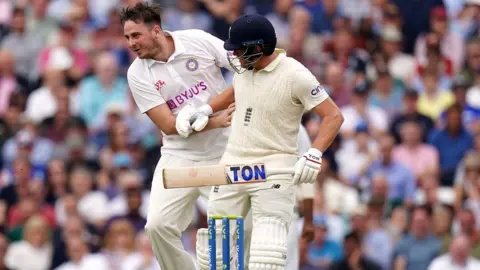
[271,93]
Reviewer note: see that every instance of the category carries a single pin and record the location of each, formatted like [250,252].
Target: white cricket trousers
[273,199]
[170,212]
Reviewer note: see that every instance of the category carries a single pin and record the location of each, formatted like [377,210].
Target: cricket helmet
[255,35]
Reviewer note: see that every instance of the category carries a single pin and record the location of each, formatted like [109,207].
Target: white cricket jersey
[269,104]
[191,75]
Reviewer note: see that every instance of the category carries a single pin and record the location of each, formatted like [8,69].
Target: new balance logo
[215,189]
[276,186]
[248,116]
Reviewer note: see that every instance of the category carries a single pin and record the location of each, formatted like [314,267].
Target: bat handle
[276,171]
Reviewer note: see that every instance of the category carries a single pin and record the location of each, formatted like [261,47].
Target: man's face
[18,22]
[420,223]
[141,38]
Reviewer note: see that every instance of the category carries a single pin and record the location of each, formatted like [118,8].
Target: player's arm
[151,102]
[332,120]
[306,91]
[222,101]
[164,119]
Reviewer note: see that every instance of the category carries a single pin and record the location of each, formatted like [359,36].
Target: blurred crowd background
[399,188]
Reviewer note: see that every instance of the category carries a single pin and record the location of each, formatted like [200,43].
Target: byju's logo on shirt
[179,99]
[159,84]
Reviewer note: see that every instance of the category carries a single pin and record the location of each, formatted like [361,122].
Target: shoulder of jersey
[189,33]
[293,64]
[136,66]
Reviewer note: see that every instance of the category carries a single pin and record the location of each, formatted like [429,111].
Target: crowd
[399,188]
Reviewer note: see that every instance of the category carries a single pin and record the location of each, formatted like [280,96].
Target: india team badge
[192,64]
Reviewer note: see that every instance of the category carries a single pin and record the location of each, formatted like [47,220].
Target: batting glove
[182,123]
[308,167]
[199,119]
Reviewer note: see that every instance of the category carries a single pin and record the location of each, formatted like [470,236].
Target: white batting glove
[199,119]
[182,123]
[308,167]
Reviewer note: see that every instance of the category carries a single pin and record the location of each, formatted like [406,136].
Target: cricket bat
[219,175]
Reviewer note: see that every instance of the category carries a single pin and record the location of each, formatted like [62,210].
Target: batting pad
[268,250]
[203,254]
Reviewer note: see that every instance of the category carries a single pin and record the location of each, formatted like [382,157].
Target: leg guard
[203,251]
[268,250]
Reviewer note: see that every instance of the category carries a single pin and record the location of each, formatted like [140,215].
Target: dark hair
[455,107]
[354,236]
[142,12]
[18,11]
[428,210]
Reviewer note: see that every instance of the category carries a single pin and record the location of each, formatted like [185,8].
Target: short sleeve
[145,95]
[215,47]
[306,90]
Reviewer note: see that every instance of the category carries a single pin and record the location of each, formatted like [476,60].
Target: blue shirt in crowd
[451,149]
[330,251]
[419,253]
[401,181]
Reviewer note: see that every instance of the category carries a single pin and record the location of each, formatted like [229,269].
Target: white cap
[60,58]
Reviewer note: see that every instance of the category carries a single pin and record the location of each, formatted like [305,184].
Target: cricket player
[271,92]
[173,71]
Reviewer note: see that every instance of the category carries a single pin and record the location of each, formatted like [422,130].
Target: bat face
[239,174]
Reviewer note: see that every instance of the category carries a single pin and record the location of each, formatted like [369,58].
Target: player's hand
[308,167]
[200,118]
[308,231]
[223,119]
[182,123]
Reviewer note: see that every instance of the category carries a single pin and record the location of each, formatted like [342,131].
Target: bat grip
[277,171]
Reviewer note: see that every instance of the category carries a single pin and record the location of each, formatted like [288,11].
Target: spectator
[376,241]
[119,242]
[468,227]
[73,228]
[401,66]
[458,256]
[10,81]
[419,247]
[65,55]
[322,252]
[410,113]
[418,157]
[11,193]
[322,15]
[361,112]
[385,95]
[40,23]
[28,143]
[451,142]
[56,181]
[98,91]
[132,202]
[336,85]
[451,44]
[10,124]
[3,250]
[144,257]
[358,155]
[80,257]
[186,15]
[354,257]
[401,181]
[34,252]
[92,205]
[442,222]
[42,104]
[224,13]
[279,18]
[23,44]
[467,188]
[433,101]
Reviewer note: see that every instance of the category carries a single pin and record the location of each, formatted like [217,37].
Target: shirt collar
[179,49]
[270,67]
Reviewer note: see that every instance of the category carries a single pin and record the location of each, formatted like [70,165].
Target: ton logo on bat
[248,173]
